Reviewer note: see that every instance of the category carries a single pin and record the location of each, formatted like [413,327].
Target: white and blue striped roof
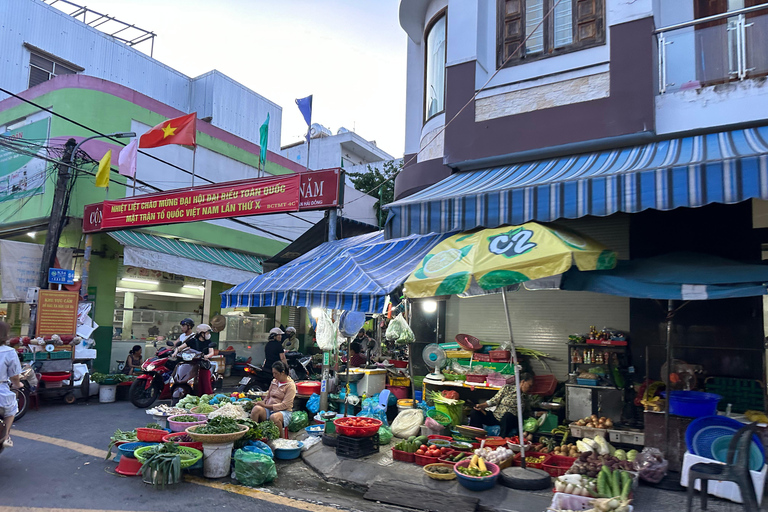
[725,167]
[353,274]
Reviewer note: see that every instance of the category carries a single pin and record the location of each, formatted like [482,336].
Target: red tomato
[433,447]
[445,450]
[423,447]
[419,452]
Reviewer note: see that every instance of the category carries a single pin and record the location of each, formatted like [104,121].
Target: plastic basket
[537,465]
[142,454]
[63,354]
[356,447]
[151,435]
[468,342]
[476,378]
[439,417]
[558,465]
[500,354]
[742,394]
[562,501]
[586,382]
[399,381]
[484,358]
[39,356]
[345,430]
[500,380]
[423,460]
[458,354]
[27,356]
[454,376]
[402,456]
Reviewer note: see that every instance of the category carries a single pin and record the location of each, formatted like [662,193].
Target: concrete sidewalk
[366,472]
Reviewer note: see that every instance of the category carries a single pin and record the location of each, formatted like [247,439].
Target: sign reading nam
[23,175]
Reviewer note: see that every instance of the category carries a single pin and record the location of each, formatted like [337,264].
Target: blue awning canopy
[726,167]
[353,274]
[676,276]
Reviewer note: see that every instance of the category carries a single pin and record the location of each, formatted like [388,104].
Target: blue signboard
[61,276]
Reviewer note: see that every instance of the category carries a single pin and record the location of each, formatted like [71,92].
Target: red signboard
[277,194]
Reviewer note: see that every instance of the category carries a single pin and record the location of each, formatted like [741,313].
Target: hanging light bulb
[429,306]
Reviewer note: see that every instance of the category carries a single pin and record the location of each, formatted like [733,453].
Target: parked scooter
[300,365]
[185,375]
[256,379]
[155,380]
[29,381]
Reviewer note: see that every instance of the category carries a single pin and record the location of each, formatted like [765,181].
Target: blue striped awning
[353,274]
[726,167]
[198,252]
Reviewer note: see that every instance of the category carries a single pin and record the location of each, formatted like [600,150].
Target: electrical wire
[467,104]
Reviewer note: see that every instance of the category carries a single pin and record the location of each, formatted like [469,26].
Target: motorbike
[258,378]
[29,381]
[299,365]
[185,375]
[155,380]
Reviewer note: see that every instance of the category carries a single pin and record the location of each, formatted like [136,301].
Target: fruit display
[590,464]
[595,422]
[579,485]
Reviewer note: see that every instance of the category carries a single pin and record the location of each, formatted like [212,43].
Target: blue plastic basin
[127,449]
[720,453]
[693,404]
[288,453]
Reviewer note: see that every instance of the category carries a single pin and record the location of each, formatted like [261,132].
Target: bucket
[217,459]
[693,404]
[455,412]
[107,393]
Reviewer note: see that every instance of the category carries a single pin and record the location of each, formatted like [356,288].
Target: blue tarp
[676,276]
[353,274]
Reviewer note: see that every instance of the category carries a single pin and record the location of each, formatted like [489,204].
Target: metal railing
[691,55]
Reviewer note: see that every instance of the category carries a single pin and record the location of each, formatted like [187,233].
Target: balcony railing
[713,50]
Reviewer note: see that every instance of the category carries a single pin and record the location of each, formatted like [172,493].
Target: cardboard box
[728,490]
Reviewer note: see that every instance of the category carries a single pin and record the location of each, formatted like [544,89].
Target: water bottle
[728,410]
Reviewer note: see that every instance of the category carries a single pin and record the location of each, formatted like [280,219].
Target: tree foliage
[373,178]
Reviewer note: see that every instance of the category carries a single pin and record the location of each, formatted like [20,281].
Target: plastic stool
[285,432]
[34,400]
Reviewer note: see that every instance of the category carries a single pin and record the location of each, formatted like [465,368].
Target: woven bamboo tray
[216,438]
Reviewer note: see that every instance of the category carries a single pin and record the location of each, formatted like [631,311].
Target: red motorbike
[155,380]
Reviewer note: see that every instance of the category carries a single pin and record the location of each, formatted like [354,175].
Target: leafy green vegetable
[219,425]
[154,426]
[120,436]
[185,419]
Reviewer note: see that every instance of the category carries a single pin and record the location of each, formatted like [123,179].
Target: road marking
[71,445]
[259,495]
[32,509]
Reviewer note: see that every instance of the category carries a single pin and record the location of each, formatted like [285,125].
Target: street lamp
[89,236]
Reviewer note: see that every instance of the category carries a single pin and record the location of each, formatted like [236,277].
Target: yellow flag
[102,176]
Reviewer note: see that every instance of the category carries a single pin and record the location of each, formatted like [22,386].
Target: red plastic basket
[500,354]
[345,430]
[399,364]
[543,385]
[172,438]
[449,454]
[557,465]
[435,436]
[483,358]
[423,460]
[516,461]
[151,435]
[476,378]
[402,456]
[493,442]
[468,342]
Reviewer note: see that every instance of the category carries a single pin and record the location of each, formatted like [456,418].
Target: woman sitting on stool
[278,402]
[505,402]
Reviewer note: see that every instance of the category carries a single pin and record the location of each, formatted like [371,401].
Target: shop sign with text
[278,194]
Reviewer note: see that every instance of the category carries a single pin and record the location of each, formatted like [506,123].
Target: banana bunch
[757,416]
[653,404]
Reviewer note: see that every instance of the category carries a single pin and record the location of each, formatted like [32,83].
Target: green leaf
[500,278]
[466,249]
[454,284]
[606,260]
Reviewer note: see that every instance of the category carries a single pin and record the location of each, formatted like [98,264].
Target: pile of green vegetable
[411,444]
[613,483]
[163,464]
[120,436]
[472,471]
[154,426]
[110,379]
[185,419]
[220,425]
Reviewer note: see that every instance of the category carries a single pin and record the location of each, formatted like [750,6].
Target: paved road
[57,463]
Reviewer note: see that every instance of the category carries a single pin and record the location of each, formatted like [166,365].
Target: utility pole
[58,212]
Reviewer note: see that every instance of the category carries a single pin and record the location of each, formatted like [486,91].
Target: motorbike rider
[10,369]
[200,342]
[290,341]
[273,350]
[187,330]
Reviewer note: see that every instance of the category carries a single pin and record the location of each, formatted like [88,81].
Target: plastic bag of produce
[326,332]
[385,435]
[399,331]
[370,410]
[254,469]
[313,404]
[530,425]
[651,465]
[258,447]
[408,423]
[299,420]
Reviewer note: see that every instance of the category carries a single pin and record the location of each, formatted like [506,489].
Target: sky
[350,54]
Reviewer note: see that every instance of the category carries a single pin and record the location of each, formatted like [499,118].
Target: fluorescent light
[31,234]
[142,281]
[194,287]
[429,306]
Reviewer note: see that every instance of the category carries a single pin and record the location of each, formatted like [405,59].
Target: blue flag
[305,106]
[263,139]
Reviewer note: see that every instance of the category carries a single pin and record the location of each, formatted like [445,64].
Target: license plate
[244,381]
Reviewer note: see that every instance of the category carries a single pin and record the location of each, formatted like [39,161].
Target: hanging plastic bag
[254,469]
[299,420]
[259,447]
[408,423]
[399,331]
[313,404]
[326,332]
[385,435]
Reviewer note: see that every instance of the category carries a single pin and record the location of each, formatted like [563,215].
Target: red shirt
[357,361]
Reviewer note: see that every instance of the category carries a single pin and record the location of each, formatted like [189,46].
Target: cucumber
[616,484]
[625,477]
[625,490]
[602,485]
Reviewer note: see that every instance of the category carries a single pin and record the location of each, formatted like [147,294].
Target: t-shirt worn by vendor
[272,351]
[505,401]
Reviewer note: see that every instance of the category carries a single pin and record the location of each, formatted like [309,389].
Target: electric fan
[435,358]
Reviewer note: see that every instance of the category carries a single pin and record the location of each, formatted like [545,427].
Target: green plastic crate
[742,394]
[63,354]
[504,368]
[39,356]
[27,356]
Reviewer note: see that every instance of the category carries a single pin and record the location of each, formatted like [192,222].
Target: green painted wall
[102,278]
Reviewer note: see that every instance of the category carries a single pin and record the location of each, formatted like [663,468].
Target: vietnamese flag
[181,130]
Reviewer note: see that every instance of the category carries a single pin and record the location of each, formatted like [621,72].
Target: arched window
[434,66]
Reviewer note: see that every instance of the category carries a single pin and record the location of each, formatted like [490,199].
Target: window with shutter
[535,29]
[42,69]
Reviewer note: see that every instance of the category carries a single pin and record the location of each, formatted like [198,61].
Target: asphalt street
[57,463]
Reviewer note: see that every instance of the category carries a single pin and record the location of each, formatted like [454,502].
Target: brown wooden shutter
[590,22]
[511,30]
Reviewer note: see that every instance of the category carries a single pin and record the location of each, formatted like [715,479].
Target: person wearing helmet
[273,351]
[290,341]
[187,326]
[200,341]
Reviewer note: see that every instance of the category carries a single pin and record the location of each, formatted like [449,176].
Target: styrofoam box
[627,437]
[562,501]
[728,490]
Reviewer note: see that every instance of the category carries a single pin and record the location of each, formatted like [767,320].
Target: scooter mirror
[169,343]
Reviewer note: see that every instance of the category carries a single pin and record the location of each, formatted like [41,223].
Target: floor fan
[435,358]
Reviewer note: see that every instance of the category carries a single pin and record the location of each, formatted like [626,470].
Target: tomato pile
[433,450]
[359,422]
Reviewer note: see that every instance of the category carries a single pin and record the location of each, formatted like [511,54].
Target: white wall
[327,152]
